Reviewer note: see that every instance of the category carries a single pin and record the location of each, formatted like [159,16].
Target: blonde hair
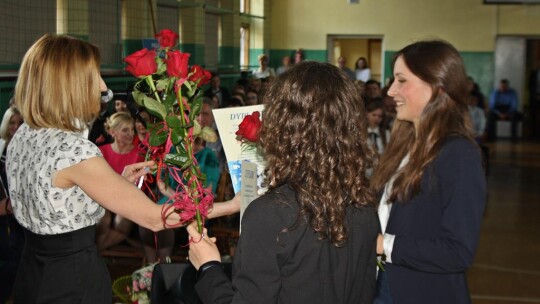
[115,121]
[4,127]
[59,83]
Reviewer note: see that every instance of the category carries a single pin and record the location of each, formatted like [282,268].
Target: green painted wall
[196,51]
[229,58]
[479,65]
[131,46]
[6,92]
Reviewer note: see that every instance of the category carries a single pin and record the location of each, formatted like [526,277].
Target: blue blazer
[437,230]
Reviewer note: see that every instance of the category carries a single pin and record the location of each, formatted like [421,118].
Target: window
[244,45]
[244,6]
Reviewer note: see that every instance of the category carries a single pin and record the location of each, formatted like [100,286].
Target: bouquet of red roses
[170,89]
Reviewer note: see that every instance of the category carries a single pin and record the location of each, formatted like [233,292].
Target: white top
[478,118]
[32,158]
[384,214]
[268,72]
[363,74]
[377,142]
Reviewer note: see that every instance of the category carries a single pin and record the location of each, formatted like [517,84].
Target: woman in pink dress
[114,228]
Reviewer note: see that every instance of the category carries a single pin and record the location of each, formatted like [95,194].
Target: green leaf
[138,97]
[173,122]
[192,90]
[161,66]
[169,100]
[182,161]
[154,107]
[188,86]
[177,136]
[196,106]
[162,84]
[158,137]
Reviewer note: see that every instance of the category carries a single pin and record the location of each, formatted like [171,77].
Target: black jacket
[273,266]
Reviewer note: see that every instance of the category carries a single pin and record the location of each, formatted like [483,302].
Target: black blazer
[436,232]
[274,266]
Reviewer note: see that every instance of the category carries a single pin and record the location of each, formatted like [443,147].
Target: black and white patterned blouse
[32,158]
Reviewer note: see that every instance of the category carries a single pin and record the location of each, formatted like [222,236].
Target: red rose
[141,63]
[198,73]
[177,64]
[250,126]
[167,38]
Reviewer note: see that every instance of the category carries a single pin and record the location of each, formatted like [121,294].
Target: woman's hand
[202,249]
[134,171]
[380,241]
[164,189]
[5,207]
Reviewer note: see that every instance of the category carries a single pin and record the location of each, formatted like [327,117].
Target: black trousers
[62,268]
[493,117]
[382,293]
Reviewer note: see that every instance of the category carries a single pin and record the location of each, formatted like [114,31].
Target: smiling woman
[410,93]
[113,228]
[431,179]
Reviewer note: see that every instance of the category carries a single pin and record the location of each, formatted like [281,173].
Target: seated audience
[362,70]
[263,71]
[285,65]
[342,65]
[378,134]
[503,105]
[217,90]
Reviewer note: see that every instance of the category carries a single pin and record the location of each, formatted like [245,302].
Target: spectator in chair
[503,105]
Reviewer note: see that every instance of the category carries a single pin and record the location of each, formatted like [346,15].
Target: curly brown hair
[438,64]
[314,137]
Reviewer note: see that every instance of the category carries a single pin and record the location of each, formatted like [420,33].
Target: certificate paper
[238,154]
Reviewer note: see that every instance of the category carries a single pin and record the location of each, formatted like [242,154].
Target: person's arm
[4,207]
[463,189]
[493,102]
[213,285]
[112,191]
[226,208]
[259,276]
[218,209]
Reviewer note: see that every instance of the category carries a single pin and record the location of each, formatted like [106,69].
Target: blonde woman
[59,182]
[113,228]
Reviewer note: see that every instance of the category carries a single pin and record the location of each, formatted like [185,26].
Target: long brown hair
[438,64]
[314,137]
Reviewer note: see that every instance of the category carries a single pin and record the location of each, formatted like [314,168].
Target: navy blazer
[437,230]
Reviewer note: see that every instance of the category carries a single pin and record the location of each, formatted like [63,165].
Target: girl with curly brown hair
[311,237]
[431,179]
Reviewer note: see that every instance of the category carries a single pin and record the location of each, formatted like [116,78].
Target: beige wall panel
[469,25]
